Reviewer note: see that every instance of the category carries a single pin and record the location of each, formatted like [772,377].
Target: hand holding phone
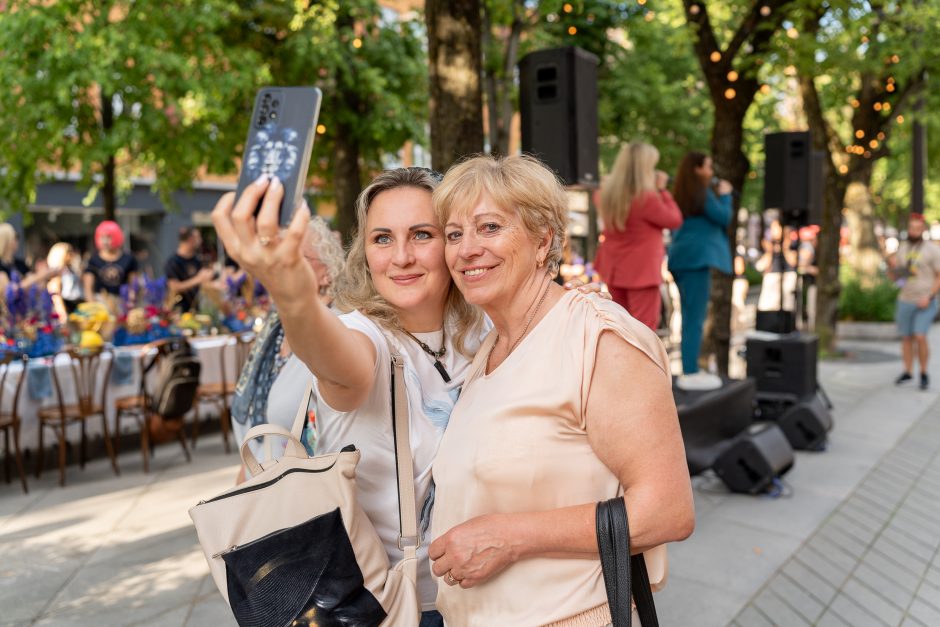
[280,140]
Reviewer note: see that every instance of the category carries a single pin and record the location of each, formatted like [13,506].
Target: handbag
[624,575]
[292,545]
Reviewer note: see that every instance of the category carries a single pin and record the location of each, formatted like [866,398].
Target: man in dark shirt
[184,272]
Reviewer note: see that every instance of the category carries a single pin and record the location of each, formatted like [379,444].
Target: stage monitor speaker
[755,458]
[783,364]
[793,177]
[558,111]
[806,424]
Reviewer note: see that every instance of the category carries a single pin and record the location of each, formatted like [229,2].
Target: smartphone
[280,139]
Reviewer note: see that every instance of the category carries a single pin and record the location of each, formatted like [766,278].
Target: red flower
[164,323]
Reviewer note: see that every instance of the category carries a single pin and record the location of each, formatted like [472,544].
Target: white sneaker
[699,381]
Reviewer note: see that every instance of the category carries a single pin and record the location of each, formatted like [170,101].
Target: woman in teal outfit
[698,246]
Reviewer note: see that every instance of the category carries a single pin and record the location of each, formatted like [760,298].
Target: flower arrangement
[143,314]
[30,324]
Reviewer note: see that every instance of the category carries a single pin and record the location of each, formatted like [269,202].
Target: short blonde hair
[7,237]
[58,254]
[518,183]
[355,289]
[634,172]
[328,248]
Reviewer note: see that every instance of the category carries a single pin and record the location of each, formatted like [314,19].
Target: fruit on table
[91,339]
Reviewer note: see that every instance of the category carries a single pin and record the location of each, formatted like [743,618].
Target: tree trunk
[456,98]
[108,187]
[865,255]
[347,176]
[828,287]
[731,164]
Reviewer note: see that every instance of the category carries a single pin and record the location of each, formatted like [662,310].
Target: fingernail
[261,180]
[275,182]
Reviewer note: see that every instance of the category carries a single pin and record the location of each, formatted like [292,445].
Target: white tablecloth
[209,350]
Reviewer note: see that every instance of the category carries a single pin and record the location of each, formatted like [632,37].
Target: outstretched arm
[343,360]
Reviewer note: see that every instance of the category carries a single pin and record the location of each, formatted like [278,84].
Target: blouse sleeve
[661,210]
[604,315]
[718,208]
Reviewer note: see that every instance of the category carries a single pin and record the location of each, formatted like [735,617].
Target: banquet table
[126,382]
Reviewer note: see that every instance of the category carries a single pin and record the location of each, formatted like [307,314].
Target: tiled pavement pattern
[875,560]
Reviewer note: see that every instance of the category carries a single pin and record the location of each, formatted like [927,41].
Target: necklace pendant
[443,371]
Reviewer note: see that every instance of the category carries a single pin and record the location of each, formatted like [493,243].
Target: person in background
[916,268]
[273,381]
[10,263]
[184,271]
[635,208]
[66,286]
[700,245]
[778,263]
[808,270]
[109,267]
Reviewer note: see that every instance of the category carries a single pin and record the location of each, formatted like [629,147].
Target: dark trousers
[694,288]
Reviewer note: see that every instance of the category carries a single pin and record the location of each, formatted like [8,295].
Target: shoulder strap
[408,539]
[300,418]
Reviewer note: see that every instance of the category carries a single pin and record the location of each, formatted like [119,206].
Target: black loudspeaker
[793,177]
[755,458]
[806,424]
[558,111]
[776,321]
[783,365]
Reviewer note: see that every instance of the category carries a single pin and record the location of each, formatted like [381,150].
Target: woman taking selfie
[540,433]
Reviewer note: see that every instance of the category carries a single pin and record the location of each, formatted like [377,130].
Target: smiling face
[490,254]
[404,249]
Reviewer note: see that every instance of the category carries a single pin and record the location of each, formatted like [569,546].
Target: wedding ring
[264,240]
[450,579]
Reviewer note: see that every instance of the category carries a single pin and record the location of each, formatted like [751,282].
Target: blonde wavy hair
[518,183]
[320,237]
[355,289]
[7,237]
[634,172]
[58,254]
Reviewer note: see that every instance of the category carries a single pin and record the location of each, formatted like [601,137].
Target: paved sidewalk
[855,543]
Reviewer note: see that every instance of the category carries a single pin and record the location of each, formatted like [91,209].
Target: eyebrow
[415,227]
[479,216]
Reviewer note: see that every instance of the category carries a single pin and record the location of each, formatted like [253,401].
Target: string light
[694,9]
[715,56]
[890,87]
[572,30]
[867,154]
[881,136]
[357,43]
[650,16]
[320,129]
[765,89]
[730,94]
[568,8]
[732,76]
[854,102]
[860,133]
[843,169]
[873,143]
[792,33]
[886,106]
[895,58]
[900,119]
[876,106]
[765,10]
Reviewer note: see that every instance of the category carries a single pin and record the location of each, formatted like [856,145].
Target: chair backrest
[6,360]
[84,366]
[240,344]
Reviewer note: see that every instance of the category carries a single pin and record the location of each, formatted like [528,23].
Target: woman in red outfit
[635,208]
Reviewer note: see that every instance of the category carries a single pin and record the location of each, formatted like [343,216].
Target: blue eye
[453,236]
[489,227]
[382,239]
[422,235]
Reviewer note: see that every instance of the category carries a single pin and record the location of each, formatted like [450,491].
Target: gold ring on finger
[264,240]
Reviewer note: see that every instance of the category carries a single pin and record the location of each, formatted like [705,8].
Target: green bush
[867,304]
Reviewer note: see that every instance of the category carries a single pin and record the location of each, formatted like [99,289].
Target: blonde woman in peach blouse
[567,403]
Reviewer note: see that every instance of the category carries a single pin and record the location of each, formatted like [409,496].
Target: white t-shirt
[369,428]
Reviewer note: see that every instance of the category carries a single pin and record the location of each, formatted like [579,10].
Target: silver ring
[264,240]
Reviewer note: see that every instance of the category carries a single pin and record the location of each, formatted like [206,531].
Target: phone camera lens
[275,103]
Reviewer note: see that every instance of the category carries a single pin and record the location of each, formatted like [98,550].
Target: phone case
[280,138]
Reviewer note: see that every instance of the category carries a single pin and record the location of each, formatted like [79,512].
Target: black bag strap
[613,543]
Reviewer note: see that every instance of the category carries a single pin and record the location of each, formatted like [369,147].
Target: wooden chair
[218,393]
[84,366]
[137,406]
[10,420]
